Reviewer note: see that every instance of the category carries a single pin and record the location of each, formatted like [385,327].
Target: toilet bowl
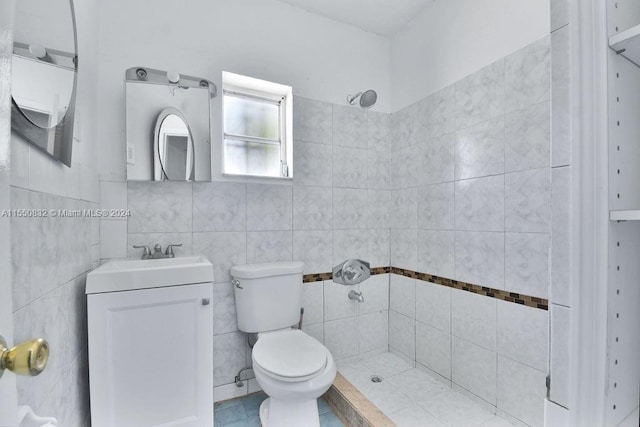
[294,370]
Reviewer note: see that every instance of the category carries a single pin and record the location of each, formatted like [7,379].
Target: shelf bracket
[621,53]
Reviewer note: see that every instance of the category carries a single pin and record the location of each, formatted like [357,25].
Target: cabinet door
[150,357]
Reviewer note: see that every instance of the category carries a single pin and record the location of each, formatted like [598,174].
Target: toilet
[293,368]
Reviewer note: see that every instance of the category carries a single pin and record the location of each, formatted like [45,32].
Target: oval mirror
[173,147]
[43,78]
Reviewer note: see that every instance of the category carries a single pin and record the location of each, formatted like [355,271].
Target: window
[257,127]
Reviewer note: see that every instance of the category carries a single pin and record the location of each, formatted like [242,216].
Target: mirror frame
[160,173]
[63,131]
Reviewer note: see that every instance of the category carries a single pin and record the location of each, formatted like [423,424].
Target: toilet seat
[289,355]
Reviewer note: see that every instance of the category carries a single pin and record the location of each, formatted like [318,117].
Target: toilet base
[280,413]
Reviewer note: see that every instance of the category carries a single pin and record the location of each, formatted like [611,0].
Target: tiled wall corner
[484,216]
[560,355]
[561,259]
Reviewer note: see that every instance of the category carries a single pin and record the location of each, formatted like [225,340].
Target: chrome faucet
[357,296]
[157,251]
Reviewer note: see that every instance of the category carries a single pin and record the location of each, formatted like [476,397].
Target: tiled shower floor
[243,412]
[410,397]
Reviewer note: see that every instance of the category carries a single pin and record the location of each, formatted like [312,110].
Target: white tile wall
[373,329]
[480,204]
[51,256]
[269,246]
[269,207]
[436,206]
[480,96]
[402,296]
[337,304]
[312,121]
[433,349]
[159,207]
[349,208]
[474,369]
[314,248]
[219,206]
[436,162]
[527,263]
[433,305]
[402,334]
[561,282]
[473,318]
[528,75]
[528,201]
[341,337]
[480,150]
[229,356]
[523,334]
[560,355]
[313,303]
[521,391]
[350,167]
[312,208]
[480,258]
[349,244]
[348,123]
[404,248]
[528,135]
[376,294]
[404,208]
[312,163]
[560,99]
[436,251]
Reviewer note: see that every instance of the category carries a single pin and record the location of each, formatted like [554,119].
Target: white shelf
[627,44]
[630,215]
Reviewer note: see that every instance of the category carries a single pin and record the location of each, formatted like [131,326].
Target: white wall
[453,38]
[266,39]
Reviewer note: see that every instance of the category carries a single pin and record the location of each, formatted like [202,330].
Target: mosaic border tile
[529,301]
[316,277]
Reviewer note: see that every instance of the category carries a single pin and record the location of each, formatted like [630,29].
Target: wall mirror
[168,126]
[44,75]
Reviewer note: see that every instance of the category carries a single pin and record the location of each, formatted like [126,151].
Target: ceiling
[384,17]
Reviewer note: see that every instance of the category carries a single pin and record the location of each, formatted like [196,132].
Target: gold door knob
[27,358]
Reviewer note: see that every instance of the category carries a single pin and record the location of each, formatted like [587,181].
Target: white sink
[131,274]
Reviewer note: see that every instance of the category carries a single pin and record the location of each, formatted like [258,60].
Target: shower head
[367,98]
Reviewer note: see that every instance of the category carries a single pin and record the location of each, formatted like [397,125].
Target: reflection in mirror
[168,126]
[173,147]
[43,77]
[42,89]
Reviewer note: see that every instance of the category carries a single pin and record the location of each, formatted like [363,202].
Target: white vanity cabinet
[150,356]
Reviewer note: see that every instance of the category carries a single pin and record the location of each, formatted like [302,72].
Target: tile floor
[410,397]
[243,412]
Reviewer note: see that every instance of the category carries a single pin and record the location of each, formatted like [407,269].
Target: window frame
[260,90]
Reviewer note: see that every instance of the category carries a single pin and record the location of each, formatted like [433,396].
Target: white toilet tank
[268,296]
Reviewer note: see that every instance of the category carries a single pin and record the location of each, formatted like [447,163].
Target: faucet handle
[169,250]
[146,252]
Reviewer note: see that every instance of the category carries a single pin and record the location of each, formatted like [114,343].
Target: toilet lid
[290,354]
